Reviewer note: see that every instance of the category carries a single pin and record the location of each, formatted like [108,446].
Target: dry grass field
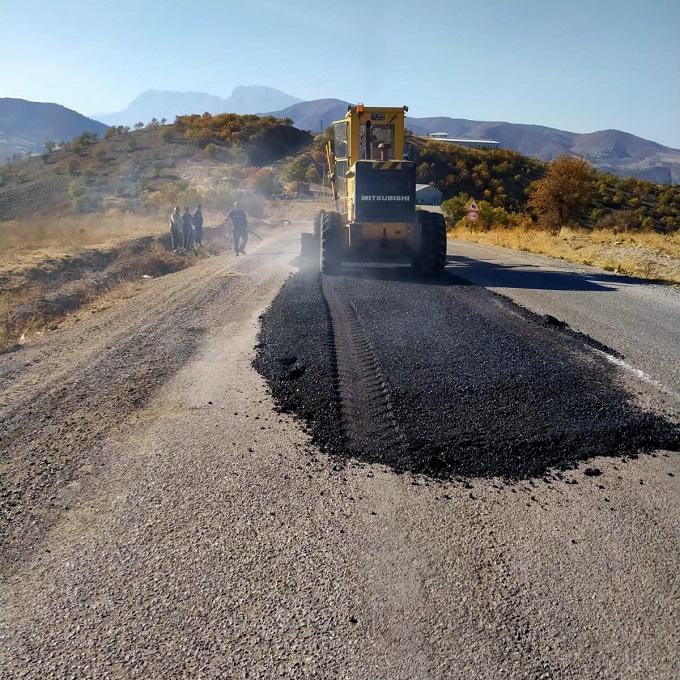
[30,242]
[645,255]
[51,268]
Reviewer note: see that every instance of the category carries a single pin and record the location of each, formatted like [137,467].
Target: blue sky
[577,65]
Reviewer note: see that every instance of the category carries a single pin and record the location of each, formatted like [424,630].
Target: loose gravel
[476,385]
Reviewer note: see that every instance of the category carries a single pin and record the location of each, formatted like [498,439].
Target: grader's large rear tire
[431,259]
[331,243]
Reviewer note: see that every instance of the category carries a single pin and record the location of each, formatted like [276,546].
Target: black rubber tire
[431,259]
[331,244]
[318,220]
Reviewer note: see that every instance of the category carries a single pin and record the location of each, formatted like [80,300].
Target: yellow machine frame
[375,198]
[385,159]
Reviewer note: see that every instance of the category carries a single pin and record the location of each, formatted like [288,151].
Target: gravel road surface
[163,519]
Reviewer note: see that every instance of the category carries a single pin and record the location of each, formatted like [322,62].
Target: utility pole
[321,124]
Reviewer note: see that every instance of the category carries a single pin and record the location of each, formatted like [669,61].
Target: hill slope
[146,170]
[26,126]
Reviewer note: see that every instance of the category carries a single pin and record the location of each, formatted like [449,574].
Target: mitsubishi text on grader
[375,197]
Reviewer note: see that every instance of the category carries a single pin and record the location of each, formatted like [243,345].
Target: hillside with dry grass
[90,216]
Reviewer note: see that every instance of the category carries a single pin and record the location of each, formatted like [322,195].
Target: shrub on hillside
[226,127]
[620,221]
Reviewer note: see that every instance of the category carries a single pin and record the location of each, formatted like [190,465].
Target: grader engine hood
[384,191]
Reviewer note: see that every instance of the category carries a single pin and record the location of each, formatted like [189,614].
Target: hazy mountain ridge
[165,104]
[25,126]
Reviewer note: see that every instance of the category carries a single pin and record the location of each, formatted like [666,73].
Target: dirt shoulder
[67,387]
[50,269]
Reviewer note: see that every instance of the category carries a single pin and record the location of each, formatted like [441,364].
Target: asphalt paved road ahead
[198,534]
[639,320]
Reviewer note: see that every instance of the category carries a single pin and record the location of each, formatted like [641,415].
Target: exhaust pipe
[367,144]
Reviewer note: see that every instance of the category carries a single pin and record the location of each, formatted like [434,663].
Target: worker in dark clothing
[198,225]
[176,236]
[239,228]
[187,228]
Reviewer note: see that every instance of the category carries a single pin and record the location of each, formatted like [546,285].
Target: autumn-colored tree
[564,194]
[318,156]
[261,181]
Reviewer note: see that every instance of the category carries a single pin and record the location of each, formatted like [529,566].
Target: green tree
[312,175]
[50,145]
[564,194]
[295,170]
[77,195]
[455,209]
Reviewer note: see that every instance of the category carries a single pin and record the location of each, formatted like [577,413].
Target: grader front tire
[431,259]
[331,244]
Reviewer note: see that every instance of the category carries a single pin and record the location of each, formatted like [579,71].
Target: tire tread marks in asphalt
[296,354]
[465,382]
[366,408]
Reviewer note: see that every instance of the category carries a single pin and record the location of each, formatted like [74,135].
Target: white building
[428,195]
[471,143]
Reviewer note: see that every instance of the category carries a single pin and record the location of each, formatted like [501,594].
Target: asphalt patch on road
[476,385]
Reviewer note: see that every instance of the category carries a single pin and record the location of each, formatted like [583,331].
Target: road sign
[473,215]
[473,206]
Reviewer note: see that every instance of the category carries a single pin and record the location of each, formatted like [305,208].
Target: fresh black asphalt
[476,385]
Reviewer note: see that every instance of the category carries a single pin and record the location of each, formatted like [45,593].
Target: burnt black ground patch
[471,384]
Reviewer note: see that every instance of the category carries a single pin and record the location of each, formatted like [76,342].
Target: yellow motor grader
[374,187]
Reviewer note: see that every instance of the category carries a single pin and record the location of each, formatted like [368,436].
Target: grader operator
[375,198]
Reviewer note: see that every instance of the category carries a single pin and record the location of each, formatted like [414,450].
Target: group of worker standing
[186,230]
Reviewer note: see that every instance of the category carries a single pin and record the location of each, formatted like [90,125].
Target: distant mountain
[164,104]
[313,114]
[608,150]
[26,126]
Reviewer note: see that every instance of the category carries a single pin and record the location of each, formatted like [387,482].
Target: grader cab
[374,187]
